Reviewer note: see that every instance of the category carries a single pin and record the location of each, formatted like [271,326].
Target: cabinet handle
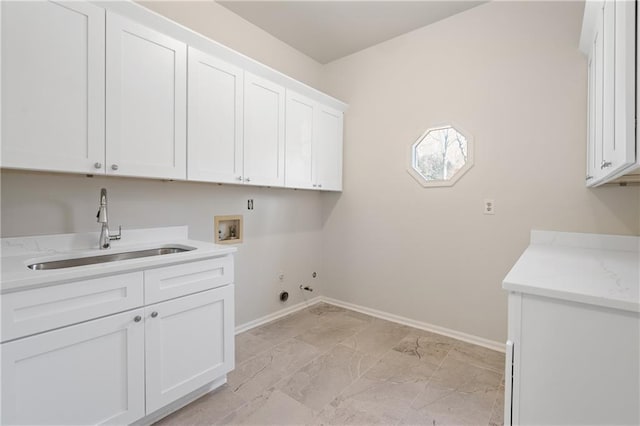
[605,164]
[247,180]
[315,186]
[154,314]
[319,185]
[589,178]
[239,178]
[114,167]
[98,165]
[137,318]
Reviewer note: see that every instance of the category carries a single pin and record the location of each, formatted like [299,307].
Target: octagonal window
[441,156]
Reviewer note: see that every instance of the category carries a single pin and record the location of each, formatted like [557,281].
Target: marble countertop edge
[16,276]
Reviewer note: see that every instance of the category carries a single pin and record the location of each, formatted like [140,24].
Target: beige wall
[281,234]
[510,74]
[220,24]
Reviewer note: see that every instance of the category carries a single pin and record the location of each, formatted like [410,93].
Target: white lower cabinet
[102,366]
[188,344]
[571,363]
[90,373]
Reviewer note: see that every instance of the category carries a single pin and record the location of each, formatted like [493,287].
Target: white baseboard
[480,341]
[469,338]
[279,314]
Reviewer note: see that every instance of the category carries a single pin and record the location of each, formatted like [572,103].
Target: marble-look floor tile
[457,394]
[324,309]
[399,367]
[330,365]
[263,371]
[207,410]
[271,407]
[285,328]
[248,345]
[378,337]
[331,331]
[317,383]
[384,393]
[368,401]
[360,315]
[497,416]
[427,346]
[478,356]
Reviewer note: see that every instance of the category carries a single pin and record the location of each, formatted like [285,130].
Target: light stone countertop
[601,270]
[18,252]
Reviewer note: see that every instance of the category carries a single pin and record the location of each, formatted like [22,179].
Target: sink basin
[81,261]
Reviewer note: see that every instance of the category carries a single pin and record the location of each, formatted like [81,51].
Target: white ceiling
[328,30]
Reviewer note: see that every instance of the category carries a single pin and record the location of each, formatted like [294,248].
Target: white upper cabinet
[214,143]
[146,85]
[113,89]
[301,135]
[264,107]
[53,86]
[313,156]
[328,150]
[609,40]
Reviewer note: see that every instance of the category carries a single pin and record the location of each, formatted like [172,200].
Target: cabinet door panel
[146,101]
[89,373]
[52,86]
[263,132]
[299,140]
[214,119]
[329,149]
[189,343]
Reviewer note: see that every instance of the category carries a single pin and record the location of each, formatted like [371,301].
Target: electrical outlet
[489,206]
[250,204]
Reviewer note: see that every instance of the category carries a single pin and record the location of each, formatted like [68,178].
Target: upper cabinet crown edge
[194,39]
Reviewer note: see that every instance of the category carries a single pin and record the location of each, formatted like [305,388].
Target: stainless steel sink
[81,261]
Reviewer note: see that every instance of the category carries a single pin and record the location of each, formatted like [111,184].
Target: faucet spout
[105,238]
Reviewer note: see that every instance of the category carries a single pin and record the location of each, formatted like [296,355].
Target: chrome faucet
[105,238]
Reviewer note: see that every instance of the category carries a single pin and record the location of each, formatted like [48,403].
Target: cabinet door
[146,102]
[608,84]
[53,86]
[595,69]
[214,143]
[301,131]
[189,343]
[89,373]
[622,152]
[329,149]
[263,131]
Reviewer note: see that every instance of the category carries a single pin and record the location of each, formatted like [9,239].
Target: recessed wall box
[228,229]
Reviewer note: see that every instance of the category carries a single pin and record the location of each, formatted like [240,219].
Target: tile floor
[330,366]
